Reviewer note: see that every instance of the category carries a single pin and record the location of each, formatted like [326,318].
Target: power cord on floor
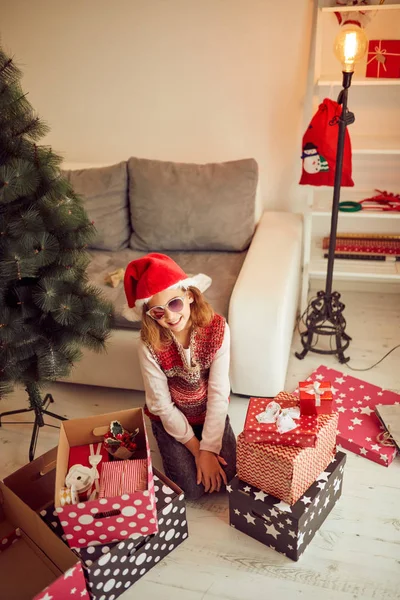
[375,364]
[304,322]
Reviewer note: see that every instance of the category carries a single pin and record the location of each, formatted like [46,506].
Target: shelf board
[332,80]
[322,204]
[366,270]
[367,144]
[360,8]
[362,214]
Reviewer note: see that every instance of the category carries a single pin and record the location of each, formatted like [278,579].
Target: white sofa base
[262,316]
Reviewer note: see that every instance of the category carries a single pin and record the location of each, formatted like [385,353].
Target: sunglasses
[174,305]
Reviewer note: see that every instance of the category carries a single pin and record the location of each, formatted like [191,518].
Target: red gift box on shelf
[383,60]
[355,402]
[315,397]
[105,520]
[90,456]
[123,477]
[304,434]
[285,471]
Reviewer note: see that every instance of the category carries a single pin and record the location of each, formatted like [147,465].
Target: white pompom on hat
[153,274]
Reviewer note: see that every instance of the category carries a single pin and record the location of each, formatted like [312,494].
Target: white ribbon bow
[283,417]
[314,389]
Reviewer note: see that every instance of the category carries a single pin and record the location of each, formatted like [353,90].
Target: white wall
[187,80]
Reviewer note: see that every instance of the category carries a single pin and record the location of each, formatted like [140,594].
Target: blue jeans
[178,461]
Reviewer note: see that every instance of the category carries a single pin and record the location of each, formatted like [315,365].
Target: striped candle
[123,477]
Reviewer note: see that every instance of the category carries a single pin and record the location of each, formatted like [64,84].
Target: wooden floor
[356,553]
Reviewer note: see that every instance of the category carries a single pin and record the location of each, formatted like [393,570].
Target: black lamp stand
[324,315]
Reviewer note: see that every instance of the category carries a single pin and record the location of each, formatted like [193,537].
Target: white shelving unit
[375,149]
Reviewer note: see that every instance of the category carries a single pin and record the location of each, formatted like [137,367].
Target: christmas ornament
[119,442]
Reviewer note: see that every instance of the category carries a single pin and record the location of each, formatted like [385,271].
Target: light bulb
[350,46]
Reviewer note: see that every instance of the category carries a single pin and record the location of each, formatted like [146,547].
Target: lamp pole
[324,315]
[344,120]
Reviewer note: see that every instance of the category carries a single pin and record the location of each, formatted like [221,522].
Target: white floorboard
[356,553]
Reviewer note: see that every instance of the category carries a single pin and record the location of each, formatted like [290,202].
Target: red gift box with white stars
[355,402]
[304,436]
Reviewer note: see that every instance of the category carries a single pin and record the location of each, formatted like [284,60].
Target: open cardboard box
[128,560]
[106,519]
[34,563]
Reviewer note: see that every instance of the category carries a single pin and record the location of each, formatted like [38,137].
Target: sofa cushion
[184,206]
[222,267]
[105,194]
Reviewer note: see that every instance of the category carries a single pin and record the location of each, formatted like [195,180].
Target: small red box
[304,436]
[315,397]
[383,60]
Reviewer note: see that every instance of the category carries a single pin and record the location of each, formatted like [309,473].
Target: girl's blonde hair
[201,314]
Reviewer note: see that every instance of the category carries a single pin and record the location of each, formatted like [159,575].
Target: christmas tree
[48,310]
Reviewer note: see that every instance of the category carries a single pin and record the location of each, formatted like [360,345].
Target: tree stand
[39,407]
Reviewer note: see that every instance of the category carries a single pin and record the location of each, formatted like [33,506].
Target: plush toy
[80,479]
[84,470]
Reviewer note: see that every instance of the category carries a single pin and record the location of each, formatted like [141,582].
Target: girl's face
[175,321]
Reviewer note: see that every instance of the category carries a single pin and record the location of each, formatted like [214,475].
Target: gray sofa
[205,217]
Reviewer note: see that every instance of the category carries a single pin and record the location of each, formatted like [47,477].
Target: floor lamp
[324,315]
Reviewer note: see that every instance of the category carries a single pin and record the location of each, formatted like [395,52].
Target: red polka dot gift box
[103,520]
[279,422]
[34,563]
[112,568]
[359,428]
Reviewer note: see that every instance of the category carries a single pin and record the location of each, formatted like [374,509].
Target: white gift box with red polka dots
[105,520]
[49,569]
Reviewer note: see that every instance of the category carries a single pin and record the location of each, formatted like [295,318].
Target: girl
[184,359]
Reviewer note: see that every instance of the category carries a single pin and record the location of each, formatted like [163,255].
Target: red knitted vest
[188,384]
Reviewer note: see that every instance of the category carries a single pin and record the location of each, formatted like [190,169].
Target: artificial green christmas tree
[48,311]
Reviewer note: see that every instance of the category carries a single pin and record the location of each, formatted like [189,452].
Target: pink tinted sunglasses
[174,305]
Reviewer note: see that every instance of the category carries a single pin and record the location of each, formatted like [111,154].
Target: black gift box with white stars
[287,529]
[111,569]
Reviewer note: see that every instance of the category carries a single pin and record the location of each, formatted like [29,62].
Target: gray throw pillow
[183,206]
[105,194]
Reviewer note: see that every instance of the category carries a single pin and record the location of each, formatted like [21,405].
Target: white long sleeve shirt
[159,402]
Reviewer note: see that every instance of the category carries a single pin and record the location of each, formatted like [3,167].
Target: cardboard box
[113,567]
[105,519]
[355,402]
[304,436]
[51,571]
[287,529]
[285,471]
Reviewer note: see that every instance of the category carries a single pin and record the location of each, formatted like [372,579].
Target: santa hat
[155,273]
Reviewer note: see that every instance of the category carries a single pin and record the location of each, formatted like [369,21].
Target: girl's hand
[209,471]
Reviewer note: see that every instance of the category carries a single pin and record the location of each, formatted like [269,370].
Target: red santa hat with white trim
[155,273]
